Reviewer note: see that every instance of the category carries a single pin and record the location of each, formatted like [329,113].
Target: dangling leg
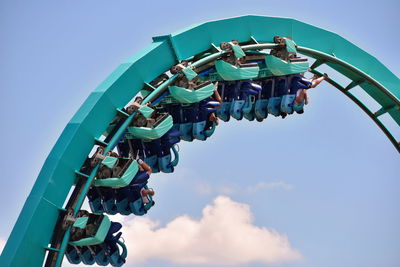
[217,96]
[315,81]
[301,96]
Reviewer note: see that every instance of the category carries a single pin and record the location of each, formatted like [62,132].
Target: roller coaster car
[115,200]
[123,171]
[186,88]
[89,229]
[159,152]
[231,68]
[92,241]
[123,195]
[150,127]
[284,60]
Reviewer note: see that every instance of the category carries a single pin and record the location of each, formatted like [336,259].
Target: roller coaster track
[43,211]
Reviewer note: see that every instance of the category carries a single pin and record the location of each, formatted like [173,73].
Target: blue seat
[238,102]
[251,90]
[175,112]
[186,126]
[287,103]
[210,128]
[86,256]
[123,148]
[72,255]
[261,105]
[95,200]
[206,107]
[207,72]
[287,97]
[274,106]
[152,161]
[261,109]
[226,91]
[244,98]
[136,203]
[279,90]
[115,257]
[100,257]
[172,137]
[249,108]
[150,154]
[108,200]
[122,201]
[296,82]
[224,111]
[164,156]
[236,109]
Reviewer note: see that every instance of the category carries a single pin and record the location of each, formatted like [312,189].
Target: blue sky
[327,179]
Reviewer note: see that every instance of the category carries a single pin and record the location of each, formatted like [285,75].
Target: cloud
[225,235]
[269,185]
[206,189]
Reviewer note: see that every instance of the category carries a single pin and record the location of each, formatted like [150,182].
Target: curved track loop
[32,233]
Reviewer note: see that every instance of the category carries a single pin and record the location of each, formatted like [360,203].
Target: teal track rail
[33,230]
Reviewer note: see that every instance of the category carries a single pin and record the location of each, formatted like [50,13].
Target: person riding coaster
[205,120]
[93,240]
[122,195]
[113,174]
[233,66]
[149,124]
[298,90]
[187,88]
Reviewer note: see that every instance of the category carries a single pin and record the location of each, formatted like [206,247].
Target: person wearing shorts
[299,86]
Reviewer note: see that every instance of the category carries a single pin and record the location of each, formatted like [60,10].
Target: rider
[299,85]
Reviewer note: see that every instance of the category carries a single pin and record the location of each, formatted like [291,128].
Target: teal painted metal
[187,96]
[124,180]
[81,222]
[238,52]
[109,162]
[146,133]
[31,235]
[290,46]
[189,73]
[232,73]
[280,67]
[98,238]
[146,111]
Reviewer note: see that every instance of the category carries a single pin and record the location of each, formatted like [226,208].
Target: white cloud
[224,235]
[206,189]
[269,185]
